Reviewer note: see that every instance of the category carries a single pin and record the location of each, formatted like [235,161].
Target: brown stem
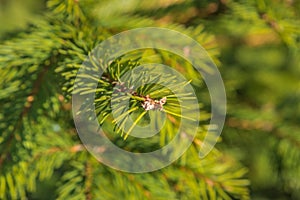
[88,181]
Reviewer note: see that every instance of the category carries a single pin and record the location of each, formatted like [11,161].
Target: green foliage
[257,43]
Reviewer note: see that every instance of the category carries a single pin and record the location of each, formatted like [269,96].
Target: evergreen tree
[255,42]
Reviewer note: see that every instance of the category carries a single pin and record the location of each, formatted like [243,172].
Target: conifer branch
[27,106]
[265,126]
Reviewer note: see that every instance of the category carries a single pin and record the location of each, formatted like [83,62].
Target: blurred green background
[260,65]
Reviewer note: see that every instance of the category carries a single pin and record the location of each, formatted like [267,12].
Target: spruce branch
[27,106]
[265,126]
[64,39]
